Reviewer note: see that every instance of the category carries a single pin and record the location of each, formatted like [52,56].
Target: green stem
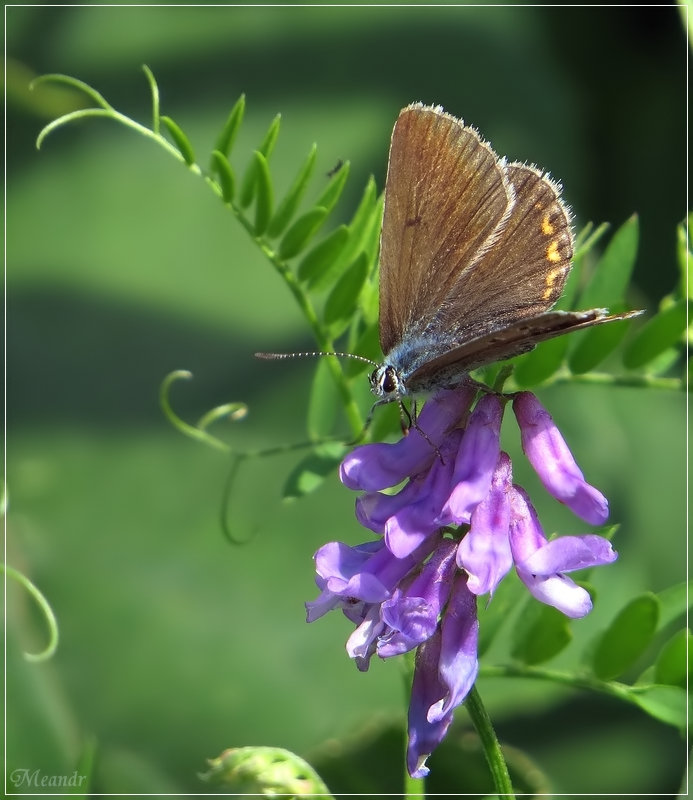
[490,743]
[604,378]
[413,787]
[45,607]
[612,688]
[324,341]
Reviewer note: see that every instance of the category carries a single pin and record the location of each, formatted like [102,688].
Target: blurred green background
[122,266]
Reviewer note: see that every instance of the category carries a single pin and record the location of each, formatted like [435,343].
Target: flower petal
[560,592]
[484,552]
[476,459]
[425,736]
[458,666]
[367,573]
[362,642]
[526,534]
[416,520]
[372,467]
[409,620]
[540,564]
[412,614]
[553,462]
[569,553]
[374,509]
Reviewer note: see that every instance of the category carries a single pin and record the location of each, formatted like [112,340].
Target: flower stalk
[490,744]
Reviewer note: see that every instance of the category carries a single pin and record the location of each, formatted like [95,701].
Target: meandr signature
[35,778]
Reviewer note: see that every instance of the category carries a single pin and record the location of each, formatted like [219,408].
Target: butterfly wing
[447,199]
[518,337]
[523,275]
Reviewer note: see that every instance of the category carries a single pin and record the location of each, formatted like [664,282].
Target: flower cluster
[416,586]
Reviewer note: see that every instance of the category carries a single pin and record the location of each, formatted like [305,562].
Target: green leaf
[539,365]
[664,362]
[180,140]
[301,232]
[343,299]
[334,188]
[594,345]
[371,242]
[387,423]
[270,137]
[674,601]
[671,667]
[684,256]
[75,83]
[154,89]
[263,193]
[613,271]
[227,180]
[587,238]
[663,331]
[367,345]
[287,208]
[249,182]
[541,633]
[360,225]
[233,123]
[627,637]
[607,288]
[316,268]
[507,598]
[323,403]
[370,300]
[666,703]
[312,470]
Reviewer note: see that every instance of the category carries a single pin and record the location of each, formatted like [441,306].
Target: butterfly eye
[390,380]
[385,382]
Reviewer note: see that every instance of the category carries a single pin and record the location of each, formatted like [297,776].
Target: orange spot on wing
[552,253]
[551,278]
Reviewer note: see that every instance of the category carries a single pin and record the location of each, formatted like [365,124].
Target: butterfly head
[386,383]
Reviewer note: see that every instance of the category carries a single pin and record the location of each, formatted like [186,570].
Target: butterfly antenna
[314,354]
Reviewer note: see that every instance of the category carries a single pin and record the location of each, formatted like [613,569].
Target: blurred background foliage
[121,266]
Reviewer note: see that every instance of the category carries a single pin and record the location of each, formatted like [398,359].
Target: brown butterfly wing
[519,337]
[523,275]
[447,198]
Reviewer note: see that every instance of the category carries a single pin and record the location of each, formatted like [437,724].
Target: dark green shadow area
[80,359]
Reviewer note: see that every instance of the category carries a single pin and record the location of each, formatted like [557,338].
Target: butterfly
[474,254]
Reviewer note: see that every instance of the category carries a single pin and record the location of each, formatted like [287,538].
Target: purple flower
[541,564]
[371,467]
[368,572]
[426,688]
[554,463]
[476,460]
[416,586]
[445,670]
[484,553]
[457,479]
[412,613]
